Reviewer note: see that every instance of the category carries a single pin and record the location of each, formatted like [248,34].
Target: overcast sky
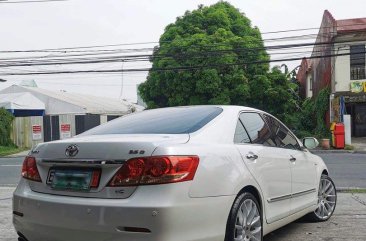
[76,23]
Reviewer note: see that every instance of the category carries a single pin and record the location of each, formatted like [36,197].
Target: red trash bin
[339,136]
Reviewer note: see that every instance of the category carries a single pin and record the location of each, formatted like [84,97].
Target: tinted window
[241,135]
[160,121]
[281,135]
[257,129]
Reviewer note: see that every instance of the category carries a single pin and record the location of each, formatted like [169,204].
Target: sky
[75,23]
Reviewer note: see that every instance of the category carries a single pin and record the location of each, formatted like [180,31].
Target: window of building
[257,129]
[358,64]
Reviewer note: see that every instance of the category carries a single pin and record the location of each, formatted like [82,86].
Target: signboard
[65,131]
[357,87]
[36,132]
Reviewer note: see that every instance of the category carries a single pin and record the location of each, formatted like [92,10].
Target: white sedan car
[201,173]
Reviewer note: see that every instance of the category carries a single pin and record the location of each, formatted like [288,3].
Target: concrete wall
[342,68]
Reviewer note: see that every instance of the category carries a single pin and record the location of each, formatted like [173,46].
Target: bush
[310,121]
[321,106]
[6,120]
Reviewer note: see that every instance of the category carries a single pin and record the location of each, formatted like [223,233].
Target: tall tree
[206,57]
[217,37]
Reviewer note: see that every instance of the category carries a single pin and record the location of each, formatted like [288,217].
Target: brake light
[30,170]
[155,170]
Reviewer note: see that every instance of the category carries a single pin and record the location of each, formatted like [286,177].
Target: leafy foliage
[321,106]
[213,40]
[205,37]
[310,120]
[5,127]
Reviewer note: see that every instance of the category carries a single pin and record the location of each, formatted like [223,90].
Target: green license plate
[75,180]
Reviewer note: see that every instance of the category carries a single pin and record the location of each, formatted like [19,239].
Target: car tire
[327,200]
[245,219]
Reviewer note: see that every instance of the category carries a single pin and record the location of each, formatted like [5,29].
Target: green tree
[197,59]
[5,127]
[218,36]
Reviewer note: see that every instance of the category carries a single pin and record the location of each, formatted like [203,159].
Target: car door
[269,166]
[303,170]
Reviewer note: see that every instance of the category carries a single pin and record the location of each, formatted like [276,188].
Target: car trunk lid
[102,153]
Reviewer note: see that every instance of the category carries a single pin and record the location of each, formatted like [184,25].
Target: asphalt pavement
[348,170]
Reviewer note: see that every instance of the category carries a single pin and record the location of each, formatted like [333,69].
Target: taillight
[155,170]
[29,169]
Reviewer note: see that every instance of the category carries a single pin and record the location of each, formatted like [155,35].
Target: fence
[29,131]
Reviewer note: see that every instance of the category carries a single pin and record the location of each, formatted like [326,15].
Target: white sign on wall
[65,131]
[36,132]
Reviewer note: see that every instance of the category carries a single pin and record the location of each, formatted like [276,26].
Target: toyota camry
[199,173]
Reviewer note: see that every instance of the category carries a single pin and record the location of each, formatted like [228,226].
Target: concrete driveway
[347,223]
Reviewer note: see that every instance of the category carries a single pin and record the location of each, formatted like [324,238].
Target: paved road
[347,170]
[10,169]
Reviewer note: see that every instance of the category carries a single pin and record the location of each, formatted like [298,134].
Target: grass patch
[349,147]
[354,190]
[8,150]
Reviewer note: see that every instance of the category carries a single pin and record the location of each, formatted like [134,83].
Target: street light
[2,80]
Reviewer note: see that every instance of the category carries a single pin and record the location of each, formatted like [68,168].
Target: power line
[163,41]
[32,1]
[182,56]
[181,68]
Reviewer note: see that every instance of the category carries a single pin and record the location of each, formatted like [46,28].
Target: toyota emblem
[72,150]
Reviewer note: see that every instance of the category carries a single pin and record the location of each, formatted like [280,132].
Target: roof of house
[351,25]
[59,102]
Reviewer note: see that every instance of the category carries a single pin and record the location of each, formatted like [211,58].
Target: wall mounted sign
[357,86]
[355,99]
[65,131]
[36,132]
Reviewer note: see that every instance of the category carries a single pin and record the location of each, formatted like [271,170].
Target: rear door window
[257,129]
[281,135]
[241,135]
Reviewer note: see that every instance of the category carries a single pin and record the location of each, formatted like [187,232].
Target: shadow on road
[289,231]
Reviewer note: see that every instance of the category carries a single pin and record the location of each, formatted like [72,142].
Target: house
[338,62]
[43,115]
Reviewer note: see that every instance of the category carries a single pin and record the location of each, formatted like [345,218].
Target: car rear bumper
[161,212]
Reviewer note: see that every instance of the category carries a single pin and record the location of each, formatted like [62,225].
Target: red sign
[36,132]
[65,131]
[65,127]
[36,129]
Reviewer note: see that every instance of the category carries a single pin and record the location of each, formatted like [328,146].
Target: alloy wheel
[248,225]
[327,198]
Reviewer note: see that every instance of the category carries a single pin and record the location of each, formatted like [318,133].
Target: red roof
[351,25]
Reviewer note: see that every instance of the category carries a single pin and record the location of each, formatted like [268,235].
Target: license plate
[75,180]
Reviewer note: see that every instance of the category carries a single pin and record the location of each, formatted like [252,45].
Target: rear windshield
[176,120]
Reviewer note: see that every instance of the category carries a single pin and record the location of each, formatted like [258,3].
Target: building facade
[338,62]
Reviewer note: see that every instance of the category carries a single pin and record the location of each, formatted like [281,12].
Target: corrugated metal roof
[58,102]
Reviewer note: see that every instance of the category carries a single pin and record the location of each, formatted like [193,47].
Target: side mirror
[310,142]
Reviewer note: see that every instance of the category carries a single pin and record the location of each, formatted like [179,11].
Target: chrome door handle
[251,156]
[292,159]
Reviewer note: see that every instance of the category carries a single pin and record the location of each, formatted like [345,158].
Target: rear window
[177,120]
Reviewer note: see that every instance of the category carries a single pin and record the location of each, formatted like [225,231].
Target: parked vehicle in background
[173,174]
